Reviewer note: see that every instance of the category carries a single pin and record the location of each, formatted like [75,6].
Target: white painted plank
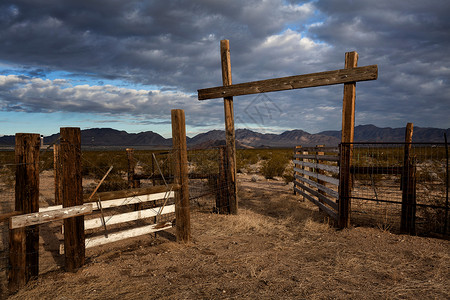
[118,236]
[48,216]
[127,217]
[120,201]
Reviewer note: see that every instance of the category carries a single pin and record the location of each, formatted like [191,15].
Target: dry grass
[276,248]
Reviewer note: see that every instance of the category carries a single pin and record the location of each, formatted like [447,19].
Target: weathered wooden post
[408,217]
[222,197]
[57,172]
[348,127]
[24,242]
[229,128]
[297,151]
[182,207]
[320,172]
[72,193]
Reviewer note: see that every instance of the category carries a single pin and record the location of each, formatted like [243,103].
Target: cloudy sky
[126,64]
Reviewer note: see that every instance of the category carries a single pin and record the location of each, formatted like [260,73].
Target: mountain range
[107,137]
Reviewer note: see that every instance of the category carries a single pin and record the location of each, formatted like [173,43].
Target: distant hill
[371,133]
[107,137]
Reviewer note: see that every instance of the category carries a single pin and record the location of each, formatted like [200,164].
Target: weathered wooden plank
[315,156]
[128,217]
[321,149]
[376,170]
[318,185]
[121,235]
[120,201]
[322,197]
[291,82]
[6,216]
[318,176]
[132,192]
[334,169]
[44,217]
[326,209]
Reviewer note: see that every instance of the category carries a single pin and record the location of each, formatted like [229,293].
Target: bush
[274,166]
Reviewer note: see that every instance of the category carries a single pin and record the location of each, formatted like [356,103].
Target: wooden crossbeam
[292,82]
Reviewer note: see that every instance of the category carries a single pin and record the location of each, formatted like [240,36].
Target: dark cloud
[174,46]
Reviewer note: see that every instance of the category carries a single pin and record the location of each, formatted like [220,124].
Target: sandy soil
[276,248]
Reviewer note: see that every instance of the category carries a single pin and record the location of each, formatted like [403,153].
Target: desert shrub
[274,166]
[205,161]
[95,163]
[113,183]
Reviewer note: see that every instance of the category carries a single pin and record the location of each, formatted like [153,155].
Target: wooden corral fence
[318,177]
[24,221]
[316,172]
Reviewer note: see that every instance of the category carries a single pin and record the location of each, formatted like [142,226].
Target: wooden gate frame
[347,76]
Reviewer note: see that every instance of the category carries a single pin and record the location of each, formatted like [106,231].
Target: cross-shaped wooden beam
[291,82]
[347,76]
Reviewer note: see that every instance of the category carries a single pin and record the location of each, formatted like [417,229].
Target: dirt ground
[277,247]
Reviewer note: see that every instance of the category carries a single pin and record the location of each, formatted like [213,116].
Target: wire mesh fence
[379,172]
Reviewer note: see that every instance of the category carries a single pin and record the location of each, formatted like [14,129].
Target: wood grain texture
[182,206]
[348,128]
[24,242]
[72,192]
[408,184]
[49,216]
[229,128]
[292,82]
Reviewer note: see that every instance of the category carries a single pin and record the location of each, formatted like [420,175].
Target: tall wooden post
[348,127]
[24,242]
[408,217]
[229,128]
[182,208]
[57,171]
[72,193]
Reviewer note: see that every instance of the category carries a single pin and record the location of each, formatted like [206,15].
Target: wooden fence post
[408,217]
[229,128]
[348,127]
[72,192]
[297,151]
[182,207]
[222,198]
[24,242]
[320,172]
[57,172]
